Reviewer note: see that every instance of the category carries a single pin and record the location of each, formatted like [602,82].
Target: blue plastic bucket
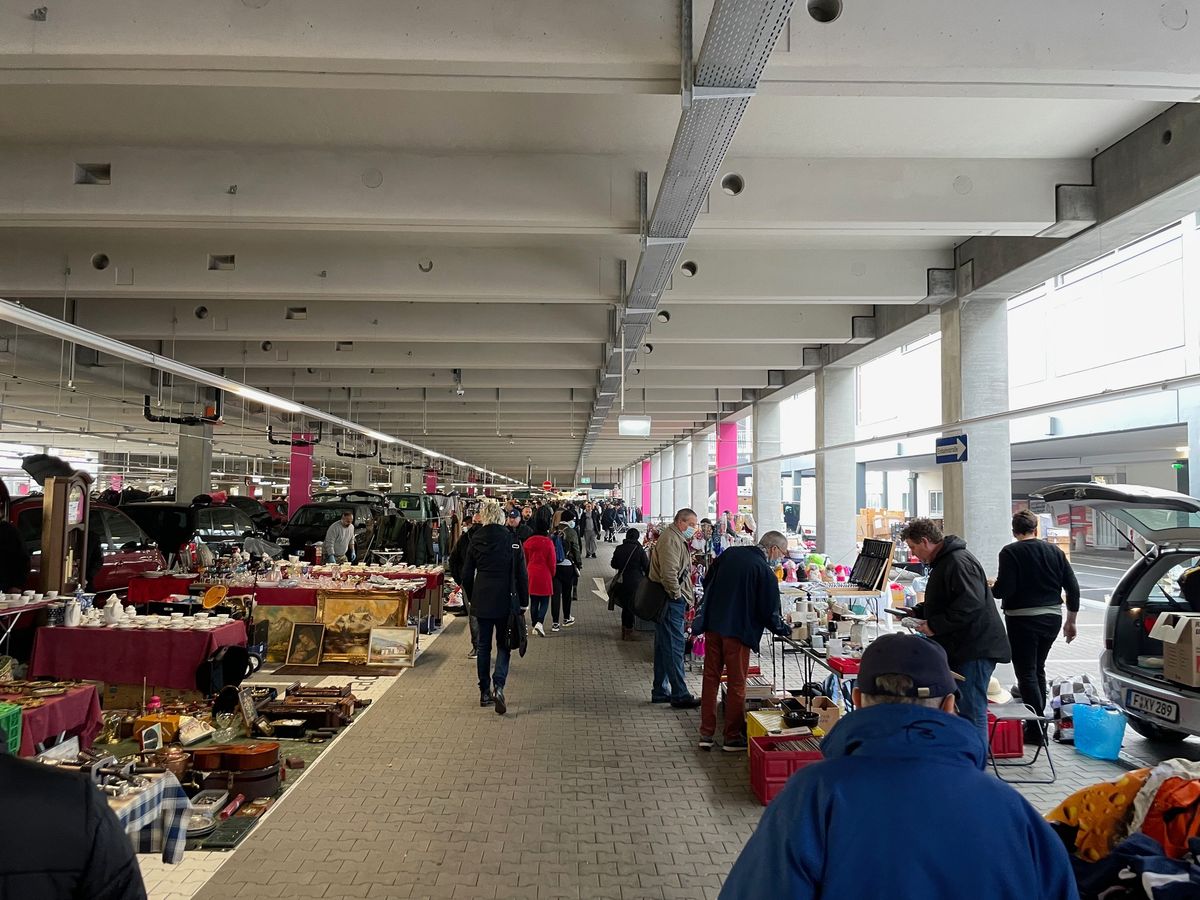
[1099,730]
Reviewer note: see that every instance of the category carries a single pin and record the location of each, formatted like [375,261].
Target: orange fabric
[1174,816]
[1098,812]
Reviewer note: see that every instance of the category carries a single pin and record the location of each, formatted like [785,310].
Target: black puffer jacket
[60,839]
[959,607]
[495,564]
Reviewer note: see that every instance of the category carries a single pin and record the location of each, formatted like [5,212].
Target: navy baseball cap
[922,660]
[514,513]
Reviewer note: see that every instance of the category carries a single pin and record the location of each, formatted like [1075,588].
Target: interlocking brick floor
[584,790]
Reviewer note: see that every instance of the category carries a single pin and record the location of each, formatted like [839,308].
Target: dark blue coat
[902,807]
[741,597]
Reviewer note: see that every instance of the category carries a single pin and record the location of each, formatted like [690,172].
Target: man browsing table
[671,567]
[339,539]
[959,613]
[741,599]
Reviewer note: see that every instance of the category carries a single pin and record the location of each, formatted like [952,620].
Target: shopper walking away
[632,565]
[671,567]
[1030,581]
[608,521]
[542,562]
[339,539]
[458,560]
[959,614]
[741,599]
[566,574]
[902,753]
[496,582]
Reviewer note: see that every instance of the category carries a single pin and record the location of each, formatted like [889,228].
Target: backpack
[560,552]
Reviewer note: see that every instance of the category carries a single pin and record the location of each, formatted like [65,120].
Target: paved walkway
[584,790]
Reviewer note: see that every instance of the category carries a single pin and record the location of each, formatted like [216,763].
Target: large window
[935,504]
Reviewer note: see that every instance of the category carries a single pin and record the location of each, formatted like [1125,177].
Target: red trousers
[732,656]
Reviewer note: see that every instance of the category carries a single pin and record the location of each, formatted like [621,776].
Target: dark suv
[178,526]
[125,549]
[309,523]
[264,520]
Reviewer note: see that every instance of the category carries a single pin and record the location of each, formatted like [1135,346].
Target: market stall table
[157,818]
[163,657]
[76,713]
[156,589]
[9,616]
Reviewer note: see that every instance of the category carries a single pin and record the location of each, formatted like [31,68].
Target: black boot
[501,706]
[485,698]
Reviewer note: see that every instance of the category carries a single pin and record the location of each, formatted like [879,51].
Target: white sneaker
[538,629]
[568,621]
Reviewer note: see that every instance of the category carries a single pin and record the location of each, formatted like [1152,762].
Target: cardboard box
[1180,634]
[829,712]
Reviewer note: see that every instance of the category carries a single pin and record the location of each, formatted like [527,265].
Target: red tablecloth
[76,713]
[156,590]
[285,596]
[126,656]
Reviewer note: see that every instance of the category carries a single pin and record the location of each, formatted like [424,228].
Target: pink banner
[431,481]
[646,488]
[300,475]
[727,468]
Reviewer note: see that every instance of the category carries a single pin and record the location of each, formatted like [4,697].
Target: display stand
[65,509]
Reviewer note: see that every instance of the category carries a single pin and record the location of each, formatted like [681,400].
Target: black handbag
[650,601]
[516,635]
[614,585]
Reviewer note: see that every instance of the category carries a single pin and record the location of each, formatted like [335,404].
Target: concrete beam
[1145,181]
[423,355]
[162,265]
[754,323]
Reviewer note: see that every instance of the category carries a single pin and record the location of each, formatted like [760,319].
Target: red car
[126,549]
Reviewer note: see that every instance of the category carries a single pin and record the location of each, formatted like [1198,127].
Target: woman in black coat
[497,585]
[632,565]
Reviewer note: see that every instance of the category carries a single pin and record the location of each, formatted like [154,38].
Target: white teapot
[113,613]
[72,614]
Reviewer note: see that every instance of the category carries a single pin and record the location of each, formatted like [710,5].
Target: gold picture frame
[280,620]
[349,617]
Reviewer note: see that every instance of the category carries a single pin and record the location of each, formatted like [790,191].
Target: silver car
[1168,528]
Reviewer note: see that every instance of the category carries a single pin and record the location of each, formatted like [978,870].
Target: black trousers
[565,579]
[627,615]
[1030,638]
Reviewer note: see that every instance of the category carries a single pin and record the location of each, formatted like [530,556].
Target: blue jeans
[483,662]
[669,682]
[972,693]
[538,607]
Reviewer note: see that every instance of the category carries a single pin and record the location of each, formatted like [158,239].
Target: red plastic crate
[1008,740]
[769,771]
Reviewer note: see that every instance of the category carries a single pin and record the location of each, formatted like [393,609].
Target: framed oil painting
[349,616]
[280,620]
[392,647]
[304,649]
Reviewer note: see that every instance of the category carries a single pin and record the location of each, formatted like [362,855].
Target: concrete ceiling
[501,143]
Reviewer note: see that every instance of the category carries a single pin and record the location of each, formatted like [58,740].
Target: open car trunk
[1170,522]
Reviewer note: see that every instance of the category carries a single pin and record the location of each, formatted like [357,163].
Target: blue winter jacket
[901,807]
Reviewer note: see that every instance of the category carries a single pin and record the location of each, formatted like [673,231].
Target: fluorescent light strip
[24,317]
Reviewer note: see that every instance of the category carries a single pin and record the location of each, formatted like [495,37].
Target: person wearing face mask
[671,567]
[741,599]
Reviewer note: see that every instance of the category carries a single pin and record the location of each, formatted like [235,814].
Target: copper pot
[174,760]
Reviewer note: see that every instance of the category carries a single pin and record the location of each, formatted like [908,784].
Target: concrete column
[700,476]
[836,470]
[727,500]
[768,483]
[978,493]
[194,475]
[359,475]
[300,476]
[1189,411]
[667,481]
[644,495]
[656,496]
[683,479]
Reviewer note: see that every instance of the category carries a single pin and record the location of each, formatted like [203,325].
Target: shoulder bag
[516,635]
[614,585]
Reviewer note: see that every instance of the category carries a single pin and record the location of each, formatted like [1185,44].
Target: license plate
[1160,709]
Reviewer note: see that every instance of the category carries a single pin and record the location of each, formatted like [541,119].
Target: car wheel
[1157,733]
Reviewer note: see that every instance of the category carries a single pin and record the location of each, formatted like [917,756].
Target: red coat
[540,560]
